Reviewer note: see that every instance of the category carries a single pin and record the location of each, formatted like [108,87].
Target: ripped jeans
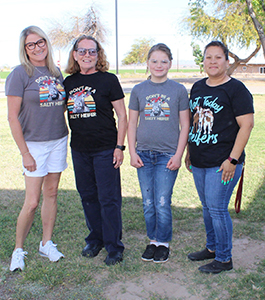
[156,183]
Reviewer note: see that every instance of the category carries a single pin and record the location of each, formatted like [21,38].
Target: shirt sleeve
[134,103]
[242,101]
[16,82]
[116,89]
[184,98]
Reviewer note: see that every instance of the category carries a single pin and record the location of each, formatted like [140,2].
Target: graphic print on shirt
[157,108]
[203,120]
[203,110]
[81,103]
[51,91]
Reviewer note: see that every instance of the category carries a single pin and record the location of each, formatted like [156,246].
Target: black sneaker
[216,267]
[149,252]
[161,254]
[201,255]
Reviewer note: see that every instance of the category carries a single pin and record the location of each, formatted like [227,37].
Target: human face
[37,56]
[159,64]
[215,63]
[87,62]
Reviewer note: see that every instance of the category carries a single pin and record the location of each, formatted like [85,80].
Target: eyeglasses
[83,51]
[31,45]
[163,62]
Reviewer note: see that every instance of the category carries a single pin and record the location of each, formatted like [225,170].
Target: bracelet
[24,153]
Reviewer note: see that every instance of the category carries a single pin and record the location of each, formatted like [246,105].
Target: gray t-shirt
[43,103]
[158,105]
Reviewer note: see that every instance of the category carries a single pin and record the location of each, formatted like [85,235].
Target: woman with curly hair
[97,146]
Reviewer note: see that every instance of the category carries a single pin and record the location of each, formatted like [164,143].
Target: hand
[228,171]
[117,158]
[29,162]
[136,161]
[174,163]
[188,163]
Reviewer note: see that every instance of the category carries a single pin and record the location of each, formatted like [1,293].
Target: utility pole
[116,19]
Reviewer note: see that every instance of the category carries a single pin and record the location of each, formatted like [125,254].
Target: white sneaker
[50,251]
[17,260]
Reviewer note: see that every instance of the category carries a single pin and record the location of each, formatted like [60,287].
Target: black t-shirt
[213,127]
[90,111]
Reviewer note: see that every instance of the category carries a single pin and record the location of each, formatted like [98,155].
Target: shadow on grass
[79,276]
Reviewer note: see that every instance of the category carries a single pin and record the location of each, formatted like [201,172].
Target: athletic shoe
[201,255]
[17,261]
[216,267]
[161,254]
[149,253]
[50,251]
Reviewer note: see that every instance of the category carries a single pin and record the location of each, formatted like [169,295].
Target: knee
[50,191]
[31,205]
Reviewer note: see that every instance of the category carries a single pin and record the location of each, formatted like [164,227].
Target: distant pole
[116,19]
[178,60]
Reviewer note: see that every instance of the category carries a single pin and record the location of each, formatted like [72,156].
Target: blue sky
[156,19]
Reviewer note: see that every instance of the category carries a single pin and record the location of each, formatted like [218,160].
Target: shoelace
[52,248]
[20,255]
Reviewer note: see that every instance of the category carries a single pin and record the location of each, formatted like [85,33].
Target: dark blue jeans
[98,184]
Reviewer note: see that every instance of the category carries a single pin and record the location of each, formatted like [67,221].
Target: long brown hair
[102,63]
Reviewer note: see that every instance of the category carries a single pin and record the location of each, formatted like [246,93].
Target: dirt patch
[247,253]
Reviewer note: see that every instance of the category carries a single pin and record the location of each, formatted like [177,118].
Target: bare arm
[175,162]
[246,123]
[14,104]
[132,127]
[120,111]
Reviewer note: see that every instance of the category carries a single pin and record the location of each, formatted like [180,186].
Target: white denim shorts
[50,157]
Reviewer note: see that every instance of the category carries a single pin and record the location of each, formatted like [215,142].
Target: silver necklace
[39,71]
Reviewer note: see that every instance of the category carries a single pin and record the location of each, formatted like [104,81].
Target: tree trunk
[239,61]
[257,24]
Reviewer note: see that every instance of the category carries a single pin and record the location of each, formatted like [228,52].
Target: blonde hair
[23,57]
[102,63]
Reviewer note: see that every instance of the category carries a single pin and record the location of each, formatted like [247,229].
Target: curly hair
[102,63]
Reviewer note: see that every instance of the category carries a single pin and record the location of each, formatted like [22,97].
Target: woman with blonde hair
[97,146]
[36,104]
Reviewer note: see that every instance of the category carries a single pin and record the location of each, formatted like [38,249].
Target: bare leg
[26,216]
[49,205]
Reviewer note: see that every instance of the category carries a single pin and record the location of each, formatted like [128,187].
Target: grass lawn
[76,277]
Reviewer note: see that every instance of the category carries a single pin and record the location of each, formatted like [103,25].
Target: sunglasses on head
[83,51]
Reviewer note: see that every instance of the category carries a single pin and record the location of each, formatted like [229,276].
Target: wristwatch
[122,148]
[233,160]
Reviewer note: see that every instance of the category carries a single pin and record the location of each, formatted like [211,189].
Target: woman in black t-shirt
[221,122]
[96,144]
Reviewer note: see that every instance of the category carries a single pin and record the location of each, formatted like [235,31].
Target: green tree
[256,10]
[226,21]
[197,53]
[257,14]
[138,52]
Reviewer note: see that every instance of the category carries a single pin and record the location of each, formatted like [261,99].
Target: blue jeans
[156,183]
[98,184]
[215,197]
